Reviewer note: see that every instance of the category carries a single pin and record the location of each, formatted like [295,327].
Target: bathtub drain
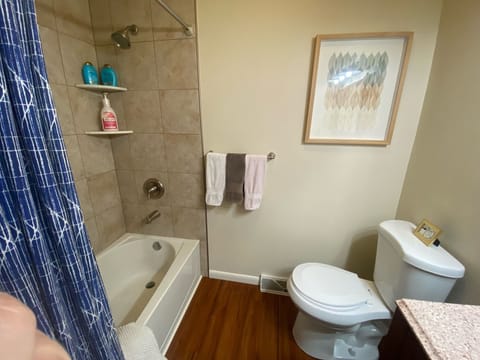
[150,284]
[156,246]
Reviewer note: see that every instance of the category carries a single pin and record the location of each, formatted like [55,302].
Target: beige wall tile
[111,225]
[189,223]
[147,151]
[86,108]
[138,12]
[97,154]
[104,194]
[101,21]
[64,112]
[73,18]
[106,55]
[187,190]
[141,176]
[180,111]
[52,55]
[136,66]
[165,26]
[74,54]
[74,156]
[133,217]
[127,186]
[184,153]
[135,214]
[204,257]
[142,111]
[45,13]
[177,64]
[92,232]
[121,152]
[84,197]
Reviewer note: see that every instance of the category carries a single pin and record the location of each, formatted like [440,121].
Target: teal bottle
[108,75]
[89,74]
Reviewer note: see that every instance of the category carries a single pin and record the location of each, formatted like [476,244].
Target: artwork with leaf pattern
[355,84]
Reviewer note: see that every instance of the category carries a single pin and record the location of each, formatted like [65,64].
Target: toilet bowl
[335,296]
[344,317]
[341,316]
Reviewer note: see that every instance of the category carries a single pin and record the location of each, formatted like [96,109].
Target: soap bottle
[89,74]
[108,75]
[108,116]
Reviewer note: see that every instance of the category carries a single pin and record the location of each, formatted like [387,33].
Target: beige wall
[321,203]
[443,178]
[67,42]
[161,106]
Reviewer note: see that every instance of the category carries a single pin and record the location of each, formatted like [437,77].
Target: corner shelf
[101,88]
[104,89]
[109,133]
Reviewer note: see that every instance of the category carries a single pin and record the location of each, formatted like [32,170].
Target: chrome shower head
[121,38]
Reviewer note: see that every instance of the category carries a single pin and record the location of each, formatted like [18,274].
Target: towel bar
[270,155]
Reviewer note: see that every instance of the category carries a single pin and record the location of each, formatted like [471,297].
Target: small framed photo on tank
[427,232]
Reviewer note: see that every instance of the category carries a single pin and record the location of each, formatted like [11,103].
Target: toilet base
[323,341]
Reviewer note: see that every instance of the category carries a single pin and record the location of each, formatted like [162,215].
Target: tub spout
[152,216]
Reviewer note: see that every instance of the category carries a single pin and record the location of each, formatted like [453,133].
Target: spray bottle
[108,116]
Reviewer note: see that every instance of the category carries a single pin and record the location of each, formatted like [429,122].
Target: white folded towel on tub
[255,169]
[138,343]
[215,178]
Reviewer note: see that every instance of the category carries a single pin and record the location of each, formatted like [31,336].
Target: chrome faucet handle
[153,188]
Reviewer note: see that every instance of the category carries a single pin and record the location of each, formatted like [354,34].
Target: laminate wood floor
[233,321]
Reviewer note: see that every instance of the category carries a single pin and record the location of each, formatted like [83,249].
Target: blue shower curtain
[46,259]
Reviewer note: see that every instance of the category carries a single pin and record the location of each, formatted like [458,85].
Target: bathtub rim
[126,237]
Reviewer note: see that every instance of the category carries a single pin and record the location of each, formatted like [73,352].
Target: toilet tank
[407,268]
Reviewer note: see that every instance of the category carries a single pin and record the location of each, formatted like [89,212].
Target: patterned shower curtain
[46,259]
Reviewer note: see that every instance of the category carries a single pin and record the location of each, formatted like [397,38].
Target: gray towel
[234,177]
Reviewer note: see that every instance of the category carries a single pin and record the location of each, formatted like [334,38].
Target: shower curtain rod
[187,29]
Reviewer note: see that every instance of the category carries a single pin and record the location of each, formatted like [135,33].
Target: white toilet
[344,317]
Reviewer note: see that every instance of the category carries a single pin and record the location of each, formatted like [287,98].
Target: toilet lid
[330,286]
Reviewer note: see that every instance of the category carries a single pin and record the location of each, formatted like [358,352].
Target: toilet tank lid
[433,259]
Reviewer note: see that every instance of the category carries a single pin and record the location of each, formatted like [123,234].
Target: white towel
[138,343]
[255,169]
[215,178]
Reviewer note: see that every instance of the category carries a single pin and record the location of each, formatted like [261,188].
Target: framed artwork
[356,86]
[427,232]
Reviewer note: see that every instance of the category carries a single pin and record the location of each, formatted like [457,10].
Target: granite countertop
[446,331]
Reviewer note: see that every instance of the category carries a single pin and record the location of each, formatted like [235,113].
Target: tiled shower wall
[161,106]
[67,42]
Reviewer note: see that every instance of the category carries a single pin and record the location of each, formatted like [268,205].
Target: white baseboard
[241,278]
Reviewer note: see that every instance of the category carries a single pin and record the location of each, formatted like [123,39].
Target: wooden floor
[233,321]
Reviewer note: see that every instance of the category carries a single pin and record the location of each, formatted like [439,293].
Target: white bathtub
[134,261]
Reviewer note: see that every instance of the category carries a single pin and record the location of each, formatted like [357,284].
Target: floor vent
[273,284]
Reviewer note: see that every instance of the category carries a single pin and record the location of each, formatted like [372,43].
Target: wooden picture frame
[356,84]
[427,232]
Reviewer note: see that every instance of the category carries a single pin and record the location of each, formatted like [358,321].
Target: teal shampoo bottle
[108,75]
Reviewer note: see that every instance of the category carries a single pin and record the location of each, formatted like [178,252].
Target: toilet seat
[335,296]
[329,286]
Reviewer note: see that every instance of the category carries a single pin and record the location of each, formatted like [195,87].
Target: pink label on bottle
[109,121]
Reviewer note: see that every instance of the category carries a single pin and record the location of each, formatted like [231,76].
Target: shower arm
[187,29]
